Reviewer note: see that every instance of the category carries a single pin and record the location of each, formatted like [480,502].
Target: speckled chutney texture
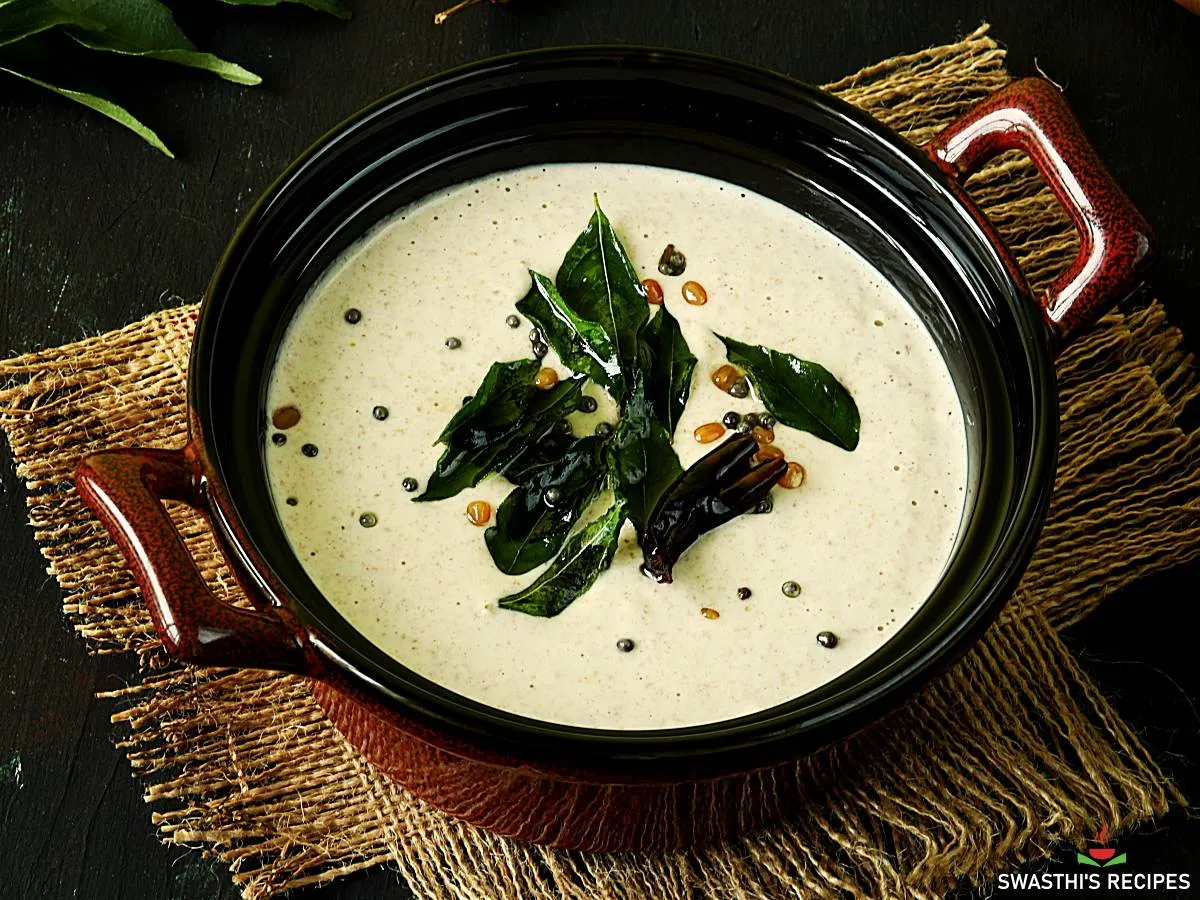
[866,537]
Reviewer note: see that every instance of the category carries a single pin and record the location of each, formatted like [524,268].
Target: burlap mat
[1010,752]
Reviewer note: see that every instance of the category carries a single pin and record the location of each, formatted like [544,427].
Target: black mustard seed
[765,505]
[604,429]
[791,589]
[513,321]
[368,520]
[625,645]
[540,349]
[409,484]
[279,439]
[743,593]
[453,343]
[731,419]
[309,450]
[587,404]
[380,412]
[827,639]
[672,262]
[353,316]
[740,389]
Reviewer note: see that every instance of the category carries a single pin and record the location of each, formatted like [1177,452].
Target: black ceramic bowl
[899,207]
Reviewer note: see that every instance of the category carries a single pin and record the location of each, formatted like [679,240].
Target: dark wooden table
[96,229]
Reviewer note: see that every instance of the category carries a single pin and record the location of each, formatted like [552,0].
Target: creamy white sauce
[867,536]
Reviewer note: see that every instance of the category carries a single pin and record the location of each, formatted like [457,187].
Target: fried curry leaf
[640,457]
[500,428]
[585,555]
[599,283]
[498,402]
[668,365]
[530,529]
[456,471]
[540,455]
[798,393]
[582,344]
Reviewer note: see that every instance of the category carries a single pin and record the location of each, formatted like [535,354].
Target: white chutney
[866,537]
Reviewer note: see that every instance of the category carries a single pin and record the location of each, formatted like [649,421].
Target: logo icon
[1103,856]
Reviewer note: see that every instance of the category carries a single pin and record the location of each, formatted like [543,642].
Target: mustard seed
[672,262]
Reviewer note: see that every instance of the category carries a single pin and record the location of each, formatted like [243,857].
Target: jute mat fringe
[1010,752]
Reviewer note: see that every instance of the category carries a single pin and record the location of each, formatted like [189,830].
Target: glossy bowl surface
[762,131]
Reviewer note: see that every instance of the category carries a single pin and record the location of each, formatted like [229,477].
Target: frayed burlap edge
[1010,752]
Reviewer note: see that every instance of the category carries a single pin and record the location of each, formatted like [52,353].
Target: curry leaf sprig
[593,313]
[596,317]
[138,28]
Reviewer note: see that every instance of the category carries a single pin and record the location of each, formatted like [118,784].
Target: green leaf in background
[143,28]
[586,554]
[20,19]
[798,393]
[333,7]
[668,368]
[582,345]
[100,105]
[599,283]
[640,456]
[529,530]
[139,28]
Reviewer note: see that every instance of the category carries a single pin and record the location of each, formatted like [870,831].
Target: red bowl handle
[125,489]
[1116,244]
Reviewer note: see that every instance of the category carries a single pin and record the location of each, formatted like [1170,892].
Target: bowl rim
[610,751]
